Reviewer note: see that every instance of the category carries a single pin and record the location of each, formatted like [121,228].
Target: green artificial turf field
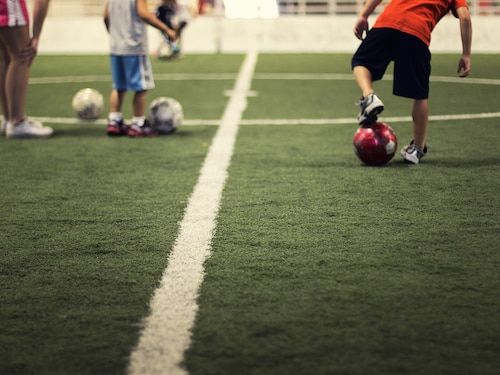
[319,264]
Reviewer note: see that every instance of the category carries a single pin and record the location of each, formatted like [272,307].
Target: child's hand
[172,35]
[29,53]
[361,28]
[463,69]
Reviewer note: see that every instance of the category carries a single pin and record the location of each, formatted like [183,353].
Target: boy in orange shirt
[402,33]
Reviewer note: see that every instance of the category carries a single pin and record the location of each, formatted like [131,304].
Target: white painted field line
[265,76]
[290,121]
[167,330]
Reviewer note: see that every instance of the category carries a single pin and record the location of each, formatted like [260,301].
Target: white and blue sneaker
[413,154]
[369,108]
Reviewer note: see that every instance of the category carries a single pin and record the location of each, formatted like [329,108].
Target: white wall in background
[284,34]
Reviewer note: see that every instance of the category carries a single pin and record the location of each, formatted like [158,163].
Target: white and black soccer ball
[165,115]
[88,104]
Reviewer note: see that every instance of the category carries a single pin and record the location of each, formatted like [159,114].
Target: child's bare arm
[464,64]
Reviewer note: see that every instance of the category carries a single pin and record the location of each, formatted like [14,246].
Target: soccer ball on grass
[165,115]
[375,144]
[87,104]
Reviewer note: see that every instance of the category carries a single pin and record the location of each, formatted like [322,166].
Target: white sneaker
[28,129]
[369,108]
[412,154]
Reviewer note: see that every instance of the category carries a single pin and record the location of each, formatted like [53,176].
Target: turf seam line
[167,330]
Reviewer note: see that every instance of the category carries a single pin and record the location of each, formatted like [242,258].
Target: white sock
[139,121]
[115,116]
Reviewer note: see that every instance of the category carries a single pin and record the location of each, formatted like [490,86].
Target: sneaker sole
[372,117]
[116,134]
[30,137]
[26,136]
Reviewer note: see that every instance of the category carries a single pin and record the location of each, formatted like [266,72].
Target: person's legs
[116,125]
[412,70]
[364,80]
[140,125]
[4,66]
[417,148]
[420,115]
[116,100]
[140,80]
[15,74]
[370,104]
[117,95]
[369,64]
[139,103]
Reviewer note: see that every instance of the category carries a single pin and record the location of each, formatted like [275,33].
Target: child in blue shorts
[130,63]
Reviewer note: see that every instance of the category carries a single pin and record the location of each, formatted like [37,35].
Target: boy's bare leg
[420,115]
[140,102]
[116,100]
[363,78]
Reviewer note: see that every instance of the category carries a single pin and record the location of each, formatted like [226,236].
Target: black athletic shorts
[411,56]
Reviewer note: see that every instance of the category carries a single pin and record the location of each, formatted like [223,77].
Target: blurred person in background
[176,14]
[17,51]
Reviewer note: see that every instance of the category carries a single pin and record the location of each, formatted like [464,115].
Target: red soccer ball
[375,144]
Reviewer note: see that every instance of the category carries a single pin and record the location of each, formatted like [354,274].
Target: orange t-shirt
[416,17]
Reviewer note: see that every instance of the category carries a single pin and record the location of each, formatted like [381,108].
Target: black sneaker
[117,128]
[146,130]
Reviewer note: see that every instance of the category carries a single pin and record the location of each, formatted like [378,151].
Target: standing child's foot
[413,154]
[146,130]
[369,108]
[117,128]
[28,129]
